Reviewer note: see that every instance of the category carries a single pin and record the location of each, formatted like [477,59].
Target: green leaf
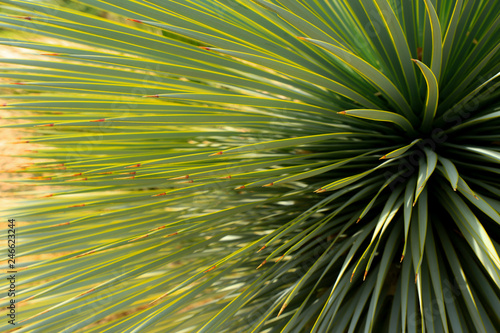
[437,50]
[372,75]
[400,151]
[431,101]
[450,171]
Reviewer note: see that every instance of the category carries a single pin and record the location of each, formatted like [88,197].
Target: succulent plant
[259,166]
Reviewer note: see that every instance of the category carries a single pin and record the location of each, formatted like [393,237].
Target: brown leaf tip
[140,237]
[60,224]
[181,177]
[218,153]
[134,166]
[210,269]
[158,228]
[282,309]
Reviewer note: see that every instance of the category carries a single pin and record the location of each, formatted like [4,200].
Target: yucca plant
[259,166]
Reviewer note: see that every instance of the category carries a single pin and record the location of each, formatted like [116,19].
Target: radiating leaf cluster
[314,166]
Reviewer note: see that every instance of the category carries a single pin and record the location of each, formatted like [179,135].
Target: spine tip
[134,166]
[211,269]
[218,153]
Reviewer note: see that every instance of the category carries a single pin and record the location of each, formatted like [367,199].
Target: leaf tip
[181,177]
[262,264]
[79,205]
[282,309]
[211,269]
[217,153]
[134,166]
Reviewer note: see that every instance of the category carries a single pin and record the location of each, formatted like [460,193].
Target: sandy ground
[9,192]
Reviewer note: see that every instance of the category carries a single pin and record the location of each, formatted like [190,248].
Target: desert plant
[315,166]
